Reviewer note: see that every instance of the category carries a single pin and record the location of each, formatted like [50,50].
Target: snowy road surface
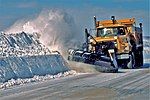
[128,84]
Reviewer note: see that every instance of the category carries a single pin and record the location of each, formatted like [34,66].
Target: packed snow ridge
[23,56]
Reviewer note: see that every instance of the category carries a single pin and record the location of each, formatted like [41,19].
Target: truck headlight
[115,43]
[91,40]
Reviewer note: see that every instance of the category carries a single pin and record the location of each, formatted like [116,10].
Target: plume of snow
[56,29]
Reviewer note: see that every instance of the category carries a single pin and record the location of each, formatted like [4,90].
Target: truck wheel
[141,58]
[131,63]
[122,64]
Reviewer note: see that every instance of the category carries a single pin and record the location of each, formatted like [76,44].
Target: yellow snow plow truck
[114,44]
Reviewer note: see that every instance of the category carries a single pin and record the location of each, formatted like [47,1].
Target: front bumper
[123,56]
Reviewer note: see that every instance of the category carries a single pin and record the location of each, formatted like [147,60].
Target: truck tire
[141,58]
[131,63]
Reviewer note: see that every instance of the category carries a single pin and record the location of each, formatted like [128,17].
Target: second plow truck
[115,43]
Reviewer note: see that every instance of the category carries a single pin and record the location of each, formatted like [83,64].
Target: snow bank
[28,66]
[146,42]
[23,56]
[21,44]
[146,45]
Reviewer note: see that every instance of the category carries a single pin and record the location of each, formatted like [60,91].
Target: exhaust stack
[95,21]
[86,39]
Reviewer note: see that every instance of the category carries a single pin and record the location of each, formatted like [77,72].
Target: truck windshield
[113,31]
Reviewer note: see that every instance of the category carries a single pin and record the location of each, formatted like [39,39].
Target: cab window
[113,31]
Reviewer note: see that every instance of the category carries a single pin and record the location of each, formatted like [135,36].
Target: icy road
[128,84]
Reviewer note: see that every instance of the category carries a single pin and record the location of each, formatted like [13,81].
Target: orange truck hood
[105,39]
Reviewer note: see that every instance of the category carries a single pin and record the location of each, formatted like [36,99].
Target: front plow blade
[106,67]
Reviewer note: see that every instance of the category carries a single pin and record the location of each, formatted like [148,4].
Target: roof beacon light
[113,19]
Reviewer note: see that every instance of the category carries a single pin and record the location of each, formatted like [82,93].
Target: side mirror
[140,25]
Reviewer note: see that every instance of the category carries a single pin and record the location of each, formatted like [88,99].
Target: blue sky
[81,10]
